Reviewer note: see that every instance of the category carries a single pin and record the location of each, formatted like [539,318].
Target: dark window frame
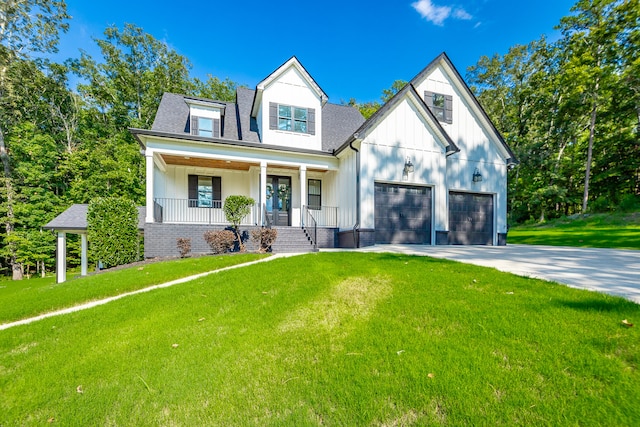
[196,129]
[193,191]
[441,106]
[315,206]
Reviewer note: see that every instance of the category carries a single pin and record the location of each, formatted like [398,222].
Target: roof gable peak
[294,63]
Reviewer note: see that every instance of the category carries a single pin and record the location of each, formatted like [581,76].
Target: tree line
[570,109]
[64,135]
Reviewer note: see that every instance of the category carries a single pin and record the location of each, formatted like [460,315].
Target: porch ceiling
[207,163]
[224,164]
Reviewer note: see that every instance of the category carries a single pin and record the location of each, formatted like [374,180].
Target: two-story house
[429,167]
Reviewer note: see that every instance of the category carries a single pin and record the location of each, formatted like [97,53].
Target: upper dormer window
[293,119]
[205,118]
[202,126]
[440,105]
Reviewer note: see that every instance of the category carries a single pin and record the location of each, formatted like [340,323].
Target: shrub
[235,208]
[220,241]
[184,246]
[112,230]
[265,238]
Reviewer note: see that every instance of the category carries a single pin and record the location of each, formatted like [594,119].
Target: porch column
[83,254]
[263,191]
[149,183]
[303,193]
[61,258]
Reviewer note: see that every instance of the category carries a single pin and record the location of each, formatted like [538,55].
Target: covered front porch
[190,188]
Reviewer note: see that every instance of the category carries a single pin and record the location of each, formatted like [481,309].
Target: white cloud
[430,12]
[460,13]
[438,14]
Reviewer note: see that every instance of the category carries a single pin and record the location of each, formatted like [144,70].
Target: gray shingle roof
[338,121]
[75,219]
[248,126]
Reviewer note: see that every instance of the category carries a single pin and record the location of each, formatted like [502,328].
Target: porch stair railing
[310,221]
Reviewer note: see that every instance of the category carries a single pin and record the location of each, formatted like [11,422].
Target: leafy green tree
[235,209]
[27,27]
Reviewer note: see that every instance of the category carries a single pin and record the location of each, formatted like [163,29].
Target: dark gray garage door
[402,214]
[470,219]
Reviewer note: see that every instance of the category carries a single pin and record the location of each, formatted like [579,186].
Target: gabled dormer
[205,117]
[288,108]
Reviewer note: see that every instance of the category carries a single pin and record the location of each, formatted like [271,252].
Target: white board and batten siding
[478,149]
[402,134]
[290,88]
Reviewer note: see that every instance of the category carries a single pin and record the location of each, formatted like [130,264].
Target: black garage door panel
[470,219]
[402,214]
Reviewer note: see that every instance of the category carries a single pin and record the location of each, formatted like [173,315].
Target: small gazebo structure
[74,221]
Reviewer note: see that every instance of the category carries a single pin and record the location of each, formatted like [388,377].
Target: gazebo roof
[74,219]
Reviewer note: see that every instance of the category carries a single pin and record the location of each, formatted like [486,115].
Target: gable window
[205,126]
[314,196]
[440,105]
[205,191]
[292,119]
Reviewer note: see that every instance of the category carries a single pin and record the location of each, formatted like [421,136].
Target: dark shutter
[216,183]
[448,109]
[193,191]
[216,128]
[194,125]
[428,99]
[273,115]
[311,121]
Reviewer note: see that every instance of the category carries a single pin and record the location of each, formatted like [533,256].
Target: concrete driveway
[612,271]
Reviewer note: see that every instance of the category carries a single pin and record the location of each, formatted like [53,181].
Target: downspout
[356,226]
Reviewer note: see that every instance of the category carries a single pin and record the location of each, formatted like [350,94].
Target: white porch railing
[186,211]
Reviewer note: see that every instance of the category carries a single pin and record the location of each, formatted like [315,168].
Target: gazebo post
[83,254]
[61,258]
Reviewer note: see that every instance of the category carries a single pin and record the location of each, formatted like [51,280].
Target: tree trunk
[16,267]
[587,174]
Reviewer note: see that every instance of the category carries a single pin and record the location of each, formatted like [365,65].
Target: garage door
[402,214]
[470,219]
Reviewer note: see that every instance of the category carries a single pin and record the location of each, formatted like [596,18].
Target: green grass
[27,298]
[332,339]
[621,231]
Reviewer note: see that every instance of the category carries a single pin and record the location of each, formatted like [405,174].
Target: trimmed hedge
[112,230]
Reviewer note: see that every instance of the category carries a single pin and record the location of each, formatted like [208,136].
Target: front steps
[292,239]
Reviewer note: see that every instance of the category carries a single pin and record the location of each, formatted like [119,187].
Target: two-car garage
[403,214]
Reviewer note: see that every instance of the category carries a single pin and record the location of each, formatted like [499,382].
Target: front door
[279,200]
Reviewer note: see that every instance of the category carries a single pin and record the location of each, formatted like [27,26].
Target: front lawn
[30,297]
[332,339]
[621,231]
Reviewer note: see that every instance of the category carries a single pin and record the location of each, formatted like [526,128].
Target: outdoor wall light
[477,177]
[408,166]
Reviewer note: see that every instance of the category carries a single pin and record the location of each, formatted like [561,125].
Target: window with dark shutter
[292,119]
[204,126]
[205,191]
[440,105]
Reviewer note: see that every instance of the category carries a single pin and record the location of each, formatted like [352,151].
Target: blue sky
[353,49]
